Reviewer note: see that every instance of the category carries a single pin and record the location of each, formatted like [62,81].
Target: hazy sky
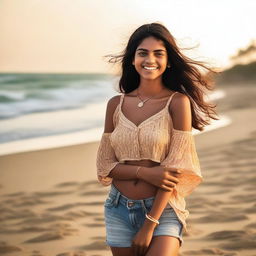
[74,35]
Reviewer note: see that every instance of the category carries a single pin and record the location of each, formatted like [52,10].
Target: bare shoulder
[180,110]
[180,102]
[111,107]
[113,103]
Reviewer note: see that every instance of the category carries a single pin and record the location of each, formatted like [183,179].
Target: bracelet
[152,219]
[137,172]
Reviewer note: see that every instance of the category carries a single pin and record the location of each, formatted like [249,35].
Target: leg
[164,246]
[121,251]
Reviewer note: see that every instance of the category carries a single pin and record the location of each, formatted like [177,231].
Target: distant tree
[251,49]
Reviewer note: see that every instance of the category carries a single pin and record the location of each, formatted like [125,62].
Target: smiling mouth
[150,68]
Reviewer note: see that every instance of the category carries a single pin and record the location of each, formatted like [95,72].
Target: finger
[144,250]
[133,248]
[136,251]
[172,179]
[168,189]
[170,184]
[141,251]
[174,174]
[174,170]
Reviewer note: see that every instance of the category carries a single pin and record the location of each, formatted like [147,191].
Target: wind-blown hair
[184,75]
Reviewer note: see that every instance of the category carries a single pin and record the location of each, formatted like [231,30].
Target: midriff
[141,189]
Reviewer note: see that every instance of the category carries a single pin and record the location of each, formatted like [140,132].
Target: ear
[133,62]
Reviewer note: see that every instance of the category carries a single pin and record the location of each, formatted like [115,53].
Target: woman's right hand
[163,177]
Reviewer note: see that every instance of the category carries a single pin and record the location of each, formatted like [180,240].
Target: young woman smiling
[147,152]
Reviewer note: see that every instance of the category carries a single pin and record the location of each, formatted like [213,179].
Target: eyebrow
[145,50]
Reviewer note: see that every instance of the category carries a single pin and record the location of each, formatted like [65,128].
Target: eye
[142,54]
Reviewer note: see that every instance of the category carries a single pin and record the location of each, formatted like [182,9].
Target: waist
[114,193]
[117,197]
[143,162]
[139,190]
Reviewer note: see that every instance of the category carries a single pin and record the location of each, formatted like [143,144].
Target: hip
[125,216]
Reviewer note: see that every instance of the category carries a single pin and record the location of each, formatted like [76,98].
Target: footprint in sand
[235,239]
[54,235]
[206,252]
[220,217]
[97,245]
[7,248]
[72,254]
[251,226]
[94,225]
[11,214]
[67,184]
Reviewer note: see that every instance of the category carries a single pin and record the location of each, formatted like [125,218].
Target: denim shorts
[124,217]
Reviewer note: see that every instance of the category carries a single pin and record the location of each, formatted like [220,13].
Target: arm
[108,166]
[182,154]
[182,120]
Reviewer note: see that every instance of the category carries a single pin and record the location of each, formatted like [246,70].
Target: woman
[147,152]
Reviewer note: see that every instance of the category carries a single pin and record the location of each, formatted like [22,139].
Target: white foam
[48,142]
[91,112]
[215,124]
[217,94]
[69,139]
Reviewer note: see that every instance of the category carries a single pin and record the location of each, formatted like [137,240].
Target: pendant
[140,104]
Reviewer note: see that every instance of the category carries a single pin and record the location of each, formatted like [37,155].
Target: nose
[150,59]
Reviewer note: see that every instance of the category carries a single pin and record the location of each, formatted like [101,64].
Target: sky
[72,36]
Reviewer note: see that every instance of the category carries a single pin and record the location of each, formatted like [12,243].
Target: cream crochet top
[154,139]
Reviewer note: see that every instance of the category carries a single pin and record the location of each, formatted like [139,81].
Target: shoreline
[86,136]
[77,138]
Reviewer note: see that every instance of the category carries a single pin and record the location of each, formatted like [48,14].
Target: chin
[150,78]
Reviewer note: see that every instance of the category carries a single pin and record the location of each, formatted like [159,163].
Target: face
[150,59]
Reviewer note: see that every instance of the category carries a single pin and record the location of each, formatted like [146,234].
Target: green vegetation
[251,49]
[238,73]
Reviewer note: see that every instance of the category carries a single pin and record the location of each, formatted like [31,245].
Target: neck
[150,88]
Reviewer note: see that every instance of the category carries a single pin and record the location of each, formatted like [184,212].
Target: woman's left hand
[142,240]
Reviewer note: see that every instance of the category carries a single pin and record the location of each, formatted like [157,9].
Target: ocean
[39,111]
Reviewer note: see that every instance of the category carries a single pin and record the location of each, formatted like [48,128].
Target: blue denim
[124,217]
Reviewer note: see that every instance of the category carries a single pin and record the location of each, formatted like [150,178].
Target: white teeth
[150,68]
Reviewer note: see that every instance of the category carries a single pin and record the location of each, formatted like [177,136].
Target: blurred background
[54,86]
[55,80]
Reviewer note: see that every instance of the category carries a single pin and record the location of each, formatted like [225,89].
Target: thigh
[164,246]
[118,251]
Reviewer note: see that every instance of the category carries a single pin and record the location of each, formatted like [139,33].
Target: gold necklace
[141,103]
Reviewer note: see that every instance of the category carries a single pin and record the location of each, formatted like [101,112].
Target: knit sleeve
[105,160]
[183,155]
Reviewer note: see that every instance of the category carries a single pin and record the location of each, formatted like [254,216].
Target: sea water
[40,111]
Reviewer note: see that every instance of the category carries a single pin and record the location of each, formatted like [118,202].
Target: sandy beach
[52,204]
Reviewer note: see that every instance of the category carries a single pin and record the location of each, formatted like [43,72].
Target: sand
[52,204]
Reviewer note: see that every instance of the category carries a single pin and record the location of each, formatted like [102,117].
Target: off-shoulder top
[154,139]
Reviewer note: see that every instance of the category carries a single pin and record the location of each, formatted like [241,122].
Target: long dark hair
[183,76]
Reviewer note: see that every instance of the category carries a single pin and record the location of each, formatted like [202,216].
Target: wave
[21,94]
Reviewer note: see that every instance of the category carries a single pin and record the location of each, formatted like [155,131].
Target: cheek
[137,61]
[164,64]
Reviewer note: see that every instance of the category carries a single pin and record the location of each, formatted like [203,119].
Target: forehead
[151,43]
